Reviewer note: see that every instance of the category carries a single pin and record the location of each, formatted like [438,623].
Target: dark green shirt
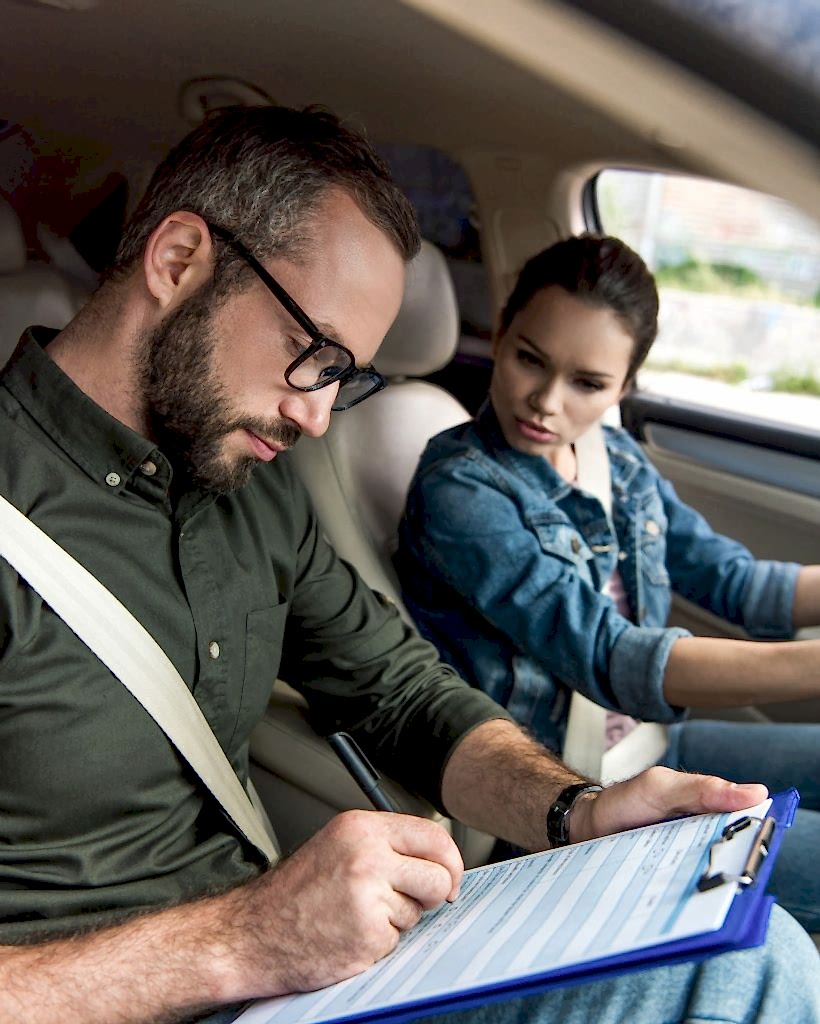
[98,814]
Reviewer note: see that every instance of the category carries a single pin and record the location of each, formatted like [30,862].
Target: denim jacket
[502,562]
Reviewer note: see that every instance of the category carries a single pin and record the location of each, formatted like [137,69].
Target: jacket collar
[537,471]
[534,470]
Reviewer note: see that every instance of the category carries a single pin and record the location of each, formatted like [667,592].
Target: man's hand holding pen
[341,901]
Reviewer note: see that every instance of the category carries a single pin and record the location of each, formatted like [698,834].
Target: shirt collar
[105,449]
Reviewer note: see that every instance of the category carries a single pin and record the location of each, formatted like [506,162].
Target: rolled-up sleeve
[638,665]
[768,599]
[476,539]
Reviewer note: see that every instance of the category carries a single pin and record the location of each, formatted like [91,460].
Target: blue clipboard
[745,927]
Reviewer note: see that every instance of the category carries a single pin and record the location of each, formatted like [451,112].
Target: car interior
[499,118]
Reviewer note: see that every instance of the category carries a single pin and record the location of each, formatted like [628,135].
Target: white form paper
[526,916]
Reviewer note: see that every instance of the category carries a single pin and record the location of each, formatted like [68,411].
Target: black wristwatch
[558,814]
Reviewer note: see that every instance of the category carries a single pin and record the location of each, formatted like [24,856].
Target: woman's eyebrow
[531,343]
[587,373]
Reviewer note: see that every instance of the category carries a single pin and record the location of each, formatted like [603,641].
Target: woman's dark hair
[262,173]
[600,271]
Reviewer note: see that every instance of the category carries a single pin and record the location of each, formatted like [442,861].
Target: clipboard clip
[757,855]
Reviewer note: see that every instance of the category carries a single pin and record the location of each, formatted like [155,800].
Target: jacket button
[576,545]
[652,528]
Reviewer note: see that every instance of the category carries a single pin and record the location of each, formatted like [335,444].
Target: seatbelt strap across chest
[585,740]
[134,657]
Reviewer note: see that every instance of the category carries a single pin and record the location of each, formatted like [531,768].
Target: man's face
[213,378]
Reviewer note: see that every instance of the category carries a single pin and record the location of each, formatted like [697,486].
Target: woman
[531,590]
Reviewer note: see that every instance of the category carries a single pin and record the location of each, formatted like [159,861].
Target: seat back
[31,292]
[358,475]
[359,472]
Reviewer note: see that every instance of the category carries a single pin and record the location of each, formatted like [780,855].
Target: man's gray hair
[261,173]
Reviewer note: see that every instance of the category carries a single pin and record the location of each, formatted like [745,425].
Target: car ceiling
[422,71]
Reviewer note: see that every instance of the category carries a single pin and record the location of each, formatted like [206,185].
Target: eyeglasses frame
[318,339]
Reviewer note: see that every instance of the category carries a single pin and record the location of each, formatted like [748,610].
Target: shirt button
[213,650]
[113,479]
[148,468]
[652,528]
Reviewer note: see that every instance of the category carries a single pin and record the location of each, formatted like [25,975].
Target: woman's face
[558,367]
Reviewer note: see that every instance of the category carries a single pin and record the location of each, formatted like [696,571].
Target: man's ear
[177,258]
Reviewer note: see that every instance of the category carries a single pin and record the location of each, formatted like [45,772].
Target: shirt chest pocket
[561,541]
[264,632]
[651,526]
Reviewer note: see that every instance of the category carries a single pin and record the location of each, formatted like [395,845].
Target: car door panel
[749,486]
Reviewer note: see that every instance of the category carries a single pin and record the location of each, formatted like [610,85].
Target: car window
[738,276]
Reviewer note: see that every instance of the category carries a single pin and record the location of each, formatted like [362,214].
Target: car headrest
[12,240]
[425,334]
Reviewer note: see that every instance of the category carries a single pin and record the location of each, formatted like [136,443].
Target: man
[147,438]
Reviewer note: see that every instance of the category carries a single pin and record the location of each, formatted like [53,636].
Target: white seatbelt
[134,657]
[585,741]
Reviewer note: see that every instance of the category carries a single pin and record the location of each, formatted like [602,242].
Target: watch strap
[558,814]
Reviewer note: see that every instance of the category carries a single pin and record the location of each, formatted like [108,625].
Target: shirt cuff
[637,668]
[767,604]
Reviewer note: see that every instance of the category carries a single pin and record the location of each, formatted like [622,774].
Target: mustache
[278,431]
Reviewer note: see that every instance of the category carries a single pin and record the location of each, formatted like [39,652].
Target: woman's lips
[264,451]
[535,433]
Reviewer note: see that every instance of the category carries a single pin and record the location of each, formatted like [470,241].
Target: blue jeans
[778,983]
[778,756]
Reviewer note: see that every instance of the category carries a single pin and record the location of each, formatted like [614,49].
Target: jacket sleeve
[468,532]
[721,575]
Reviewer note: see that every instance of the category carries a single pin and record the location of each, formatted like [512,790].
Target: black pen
[366,776]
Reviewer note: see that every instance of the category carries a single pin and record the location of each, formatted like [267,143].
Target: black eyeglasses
[324,361]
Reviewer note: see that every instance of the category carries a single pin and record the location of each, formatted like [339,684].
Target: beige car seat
[31,292]
[358,475]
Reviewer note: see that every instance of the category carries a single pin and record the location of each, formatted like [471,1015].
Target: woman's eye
[585,384]
[523,356]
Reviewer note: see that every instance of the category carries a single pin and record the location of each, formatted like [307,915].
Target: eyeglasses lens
[322,367]
[356,389]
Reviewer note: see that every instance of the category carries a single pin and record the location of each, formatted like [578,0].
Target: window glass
[739,282]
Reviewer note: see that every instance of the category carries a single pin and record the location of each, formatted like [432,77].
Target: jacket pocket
[560,540]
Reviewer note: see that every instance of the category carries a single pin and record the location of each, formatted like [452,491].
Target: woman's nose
[546,399]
